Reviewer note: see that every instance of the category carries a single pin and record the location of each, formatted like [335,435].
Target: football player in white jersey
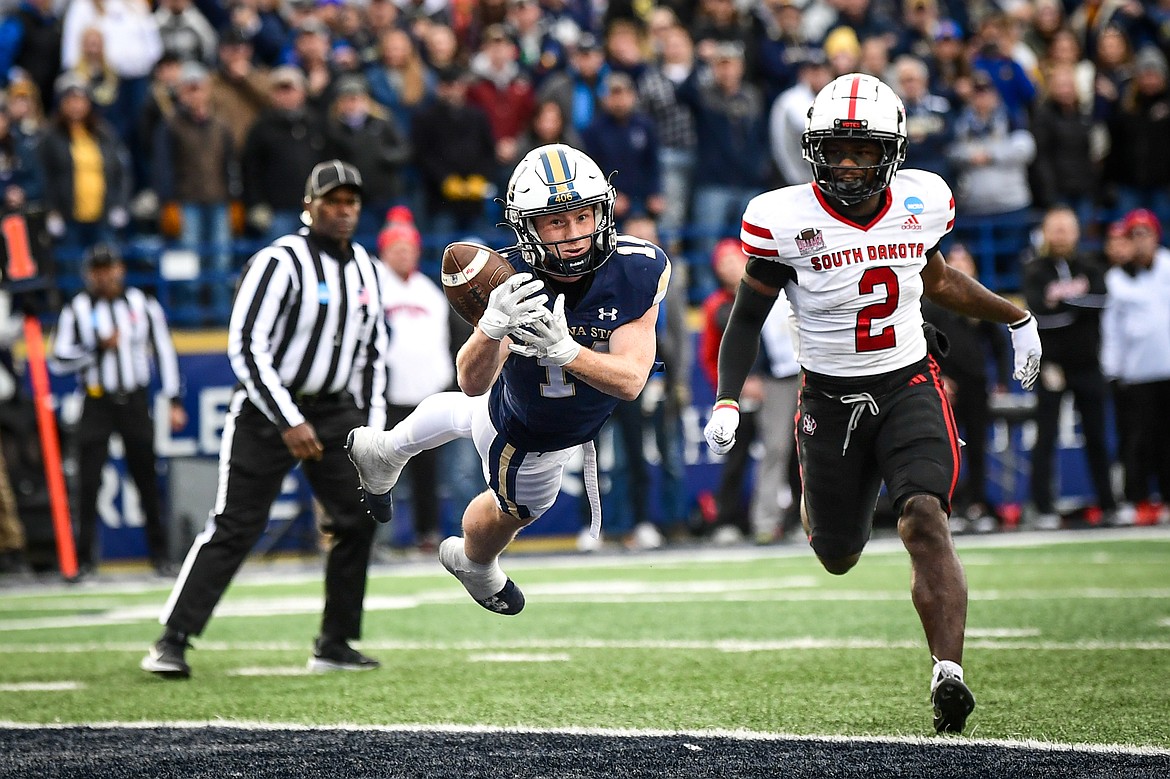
[855,251]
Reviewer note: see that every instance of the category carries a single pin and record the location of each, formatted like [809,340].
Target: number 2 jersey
[541,407]
[856,298]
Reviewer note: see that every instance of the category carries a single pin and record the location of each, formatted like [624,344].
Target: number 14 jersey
[856,300]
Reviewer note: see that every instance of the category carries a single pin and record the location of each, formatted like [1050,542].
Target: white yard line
[63,686]
[740,735]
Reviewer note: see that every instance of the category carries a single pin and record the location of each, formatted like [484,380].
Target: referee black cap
[330,175]
[101,255]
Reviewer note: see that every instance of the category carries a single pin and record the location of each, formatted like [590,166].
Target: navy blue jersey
[541,407]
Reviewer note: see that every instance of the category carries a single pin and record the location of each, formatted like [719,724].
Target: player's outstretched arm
[624,370]
[479,362]
[962,294]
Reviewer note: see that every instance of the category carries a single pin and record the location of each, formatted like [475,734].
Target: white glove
[1026,345]
[721,427]
[548,337]
[509,305]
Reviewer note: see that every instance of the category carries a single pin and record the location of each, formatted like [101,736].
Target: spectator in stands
[875,58]
[1114,58]
[22,182]
[949,67]
[578,87]
[132,47]
[540,52]
[440,47]
[101,81]
[548,125]
[312,55]
[280,152]
[87,174]
[920,19]
[789,116]
[843,48]
[24,108]
[968,386]
[1135,355]
[732,164]
[991,155]
[780,43]
[30,39]
[995,57]
[623,139]
[929,118]
[455,154]
[419,357]
[364,135]
[1070,147]
[196,165]
[1065,291]
[1139,158]
[675,124]
[502,90]
[185,31]
[264,26]
[864,19]
[239,89]
[399,80]
[1065,52]
[717,22]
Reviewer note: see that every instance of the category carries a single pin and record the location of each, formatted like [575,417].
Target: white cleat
[377,473]
[508,600]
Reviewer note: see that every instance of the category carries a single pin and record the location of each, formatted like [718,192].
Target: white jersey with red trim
[857,294]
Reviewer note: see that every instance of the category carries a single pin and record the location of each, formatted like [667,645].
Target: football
[469,274]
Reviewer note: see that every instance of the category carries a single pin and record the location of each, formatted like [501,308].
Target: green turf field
[1068,642]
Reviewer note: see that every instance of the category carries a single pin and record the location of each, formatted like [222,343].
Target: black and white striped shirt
[142,335]
[306,323]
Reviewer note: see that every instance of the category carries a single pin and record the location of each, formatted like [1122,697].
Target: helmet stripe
[853,90]
[556,169]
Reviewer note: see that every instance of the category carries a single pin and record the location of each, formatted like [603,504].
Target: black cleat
[167,658]
[339,656]
[953,703]
[509,600]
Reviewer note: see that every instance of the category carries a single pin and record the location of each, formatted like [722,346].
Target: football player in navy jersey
[854,252]
[561,343]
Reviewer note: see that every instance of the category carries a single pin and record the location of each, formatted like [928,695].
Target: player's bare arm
[624,370]
[479,362]
[955,290]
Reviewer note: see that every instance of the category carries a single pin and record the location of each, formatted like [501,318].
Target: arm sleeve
[741,340]
[69,354]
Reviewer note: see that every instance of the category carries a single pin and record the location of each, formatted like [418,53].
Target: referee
[307,341]
[107,335]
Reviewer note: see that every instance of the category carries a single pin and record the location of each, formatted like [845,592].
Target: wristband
[727,403]
[1021,323]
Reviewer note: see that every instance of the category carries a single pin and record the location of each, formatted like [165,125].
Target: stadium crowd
[183,131]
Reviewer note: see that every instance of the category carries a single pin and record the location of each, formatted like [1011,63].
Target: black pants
[972,415]
[423,472]
[129,416]
[256,463]
[1087,386]
[731,499]
[1143,414]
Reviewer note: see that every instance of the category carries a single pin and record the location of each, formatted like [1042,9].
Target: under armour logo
[603,314]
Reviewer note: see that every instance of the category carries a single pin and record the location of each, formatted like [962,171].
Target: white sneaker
[1046,522]
[507,600]
[1125,515]
[587,543]
[646,536]
[727,535]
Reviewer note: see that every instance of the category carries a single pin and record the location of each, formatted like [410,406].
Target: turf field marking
[290,670]
[1002,632]
[527,657]
[41,686]
[739,735]
[543,645]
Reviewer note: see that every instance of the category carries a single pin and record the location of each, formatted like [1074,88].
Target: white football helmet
[855,106]
[556,178]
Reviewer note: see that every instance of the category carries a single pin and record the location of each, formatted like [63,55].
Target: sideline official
[107,335]
[307,341]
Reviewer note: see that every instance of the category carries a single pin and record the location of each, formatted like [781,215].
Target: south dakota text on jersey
[881,251]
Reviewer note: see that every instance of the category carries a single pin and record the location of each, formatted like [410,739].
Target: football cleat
[339,656]
[167,658]
[951,699]
[509,600]
[376,476]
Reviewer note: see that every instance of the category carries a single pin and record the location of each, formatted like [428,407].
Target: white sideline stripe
[41,686]
[1002,632]
[536,645]
[289,670]
[627,592]
[527,657]
[945,742]
[260,571]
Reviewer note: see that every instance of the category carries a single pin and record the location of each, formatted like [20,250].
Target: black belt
[321,399]
[119,397]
